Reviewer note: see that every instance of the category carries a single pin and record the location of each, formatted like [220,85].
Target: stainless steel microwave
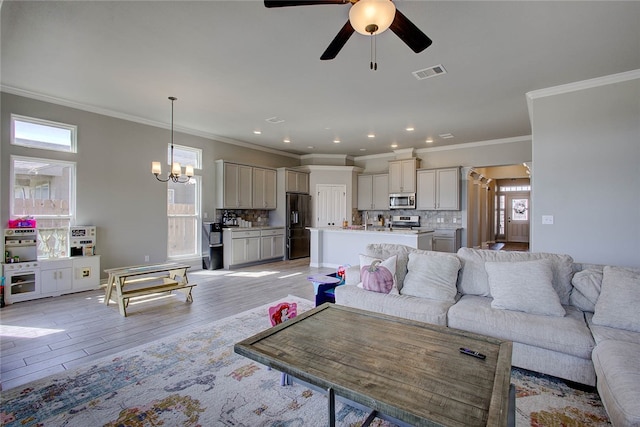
[402,201]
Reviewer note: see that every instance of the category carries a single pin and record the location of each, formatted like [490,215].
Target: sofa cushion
[568,334]
[617,306]
[618,370]
[586,289]
[385,250]
[524,286]
[431,275]
[420,309]
[473,277]
[602,333]
[378,275]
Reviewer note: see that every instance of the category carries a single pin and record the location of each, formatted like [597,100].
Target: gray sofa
[549,306]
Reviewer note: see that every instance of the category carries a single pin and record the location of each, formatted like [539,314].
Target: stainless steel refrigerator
[298,219]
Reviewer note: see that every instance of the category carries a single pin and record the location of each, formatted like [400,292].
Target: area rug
[196,379]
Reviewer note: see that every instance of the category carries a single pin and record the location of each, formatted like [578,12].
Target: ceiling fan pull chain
[374,61]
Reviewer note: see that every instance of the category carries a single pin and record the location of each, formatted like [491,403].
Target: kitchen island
[334,246]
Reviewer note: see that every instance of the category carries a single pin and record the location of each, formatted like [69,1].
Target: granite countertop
[375,230]
[264,227]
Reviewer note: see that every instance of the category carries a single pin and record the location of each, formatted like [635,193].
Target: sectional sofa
[574,321]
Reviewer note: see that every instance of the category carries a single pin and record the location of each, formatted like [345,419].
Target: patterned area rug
[196,379]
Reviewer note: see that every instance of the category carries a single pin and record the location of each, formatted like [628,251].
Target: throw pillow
[617,306]
[378,275]
[432,275]
[524,286]
[386,250]
[586,289]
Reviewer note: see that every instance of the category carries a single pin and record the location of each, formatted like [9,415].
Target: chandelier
[176,169]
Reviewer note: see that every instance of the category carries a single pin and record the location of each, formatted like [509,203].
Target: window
[45,190]
[43,134]
[183,207]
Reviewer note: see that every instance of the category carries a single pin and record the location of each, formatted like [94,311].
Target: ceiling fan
[368,17]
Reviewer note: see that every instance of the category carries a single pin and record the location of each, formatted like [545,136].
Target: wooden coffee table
[403,370]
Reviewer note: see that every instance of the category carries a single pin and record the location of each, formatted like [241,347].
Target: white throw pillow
[619,303]
[524,286]
[432,275]
[378,275]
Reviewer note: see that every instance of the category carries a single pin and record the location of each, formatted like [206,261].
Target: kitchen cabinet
[438,189]
[242,247]
[272,244]
[373,192]
[402,176]
[56,277]
[447,240]
[235,184]
[246,246]
[264,188]
[296,182]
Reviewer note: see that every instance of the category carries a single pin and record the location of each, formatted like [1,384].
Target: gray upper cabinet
[438,189]
[402,176]
[296,182]
[245,187]
[264,188]
[373,192]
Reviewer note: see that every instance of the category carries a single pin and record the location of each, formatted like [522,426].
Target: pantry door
[331,205]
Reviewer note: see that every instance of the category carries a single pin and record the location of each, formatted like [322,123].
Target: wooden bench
[136,281]
[165,285]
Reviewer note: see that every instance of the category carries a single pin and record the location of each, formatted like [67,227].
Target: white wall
[586,153]
[115,188]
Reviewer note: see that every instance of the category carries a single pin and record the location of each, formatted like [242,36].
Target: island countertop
[376,230]
[336,246]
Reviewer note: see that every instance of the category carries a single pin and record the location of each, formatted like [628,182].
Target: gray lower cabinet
[447,240]
[246,246]
[272,244]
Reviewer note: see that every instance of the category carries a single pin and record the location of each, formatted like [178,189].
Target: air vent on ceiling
[436,70]
[274,120]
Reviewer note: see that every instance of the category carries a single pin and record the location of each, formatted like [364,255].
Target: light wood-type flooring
[50,335]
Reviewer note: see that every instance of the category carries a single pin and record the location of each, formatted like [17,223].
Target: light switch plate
[547,219]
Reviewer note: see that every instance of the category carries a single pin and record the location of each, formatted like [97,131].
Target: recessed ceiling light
[409,129]
[394,145]
[371,135]
[257,132]
[445,135]
[336,141]
[311,147]
[274,120]
[429,141]
[286,140]
[363,149]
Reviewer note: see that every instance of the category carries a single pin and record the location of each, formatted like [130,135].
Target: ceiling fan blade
[338,42]
[409,33]
[286,3]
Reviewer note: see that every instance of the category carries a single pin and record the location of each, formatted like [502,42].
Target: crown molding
[512,140]
[115,114]
[581,85]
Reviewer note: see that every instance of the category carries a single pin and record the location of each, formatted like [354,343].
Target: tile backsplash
[430,219]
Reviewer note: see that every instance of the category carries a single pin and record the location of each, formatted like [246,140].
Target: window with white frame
[183,207]
[43,134]
[45,190]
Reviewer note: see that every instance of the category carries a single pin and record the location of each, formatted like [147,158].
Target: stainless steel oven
[402,201]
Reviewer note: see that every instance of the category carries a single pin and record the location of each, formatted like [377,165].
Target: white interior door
[331,205]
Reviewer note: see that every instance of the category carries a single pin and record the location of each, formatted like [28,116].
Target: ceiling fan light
[365,13]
